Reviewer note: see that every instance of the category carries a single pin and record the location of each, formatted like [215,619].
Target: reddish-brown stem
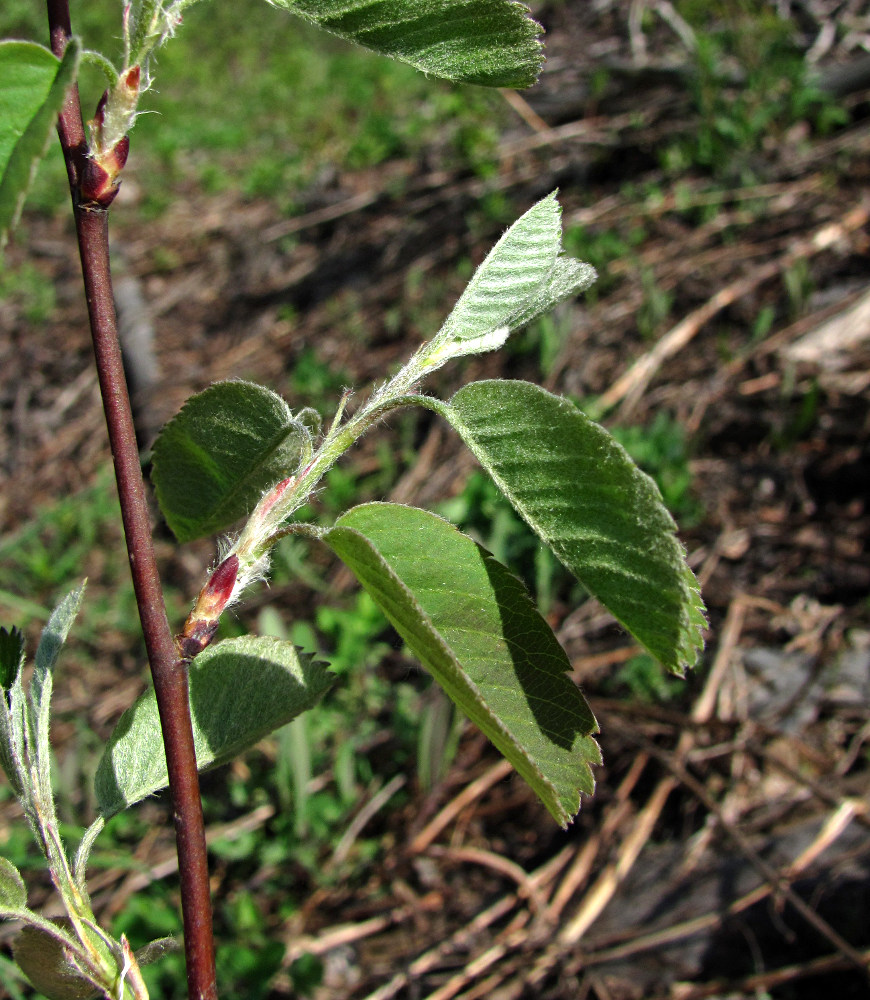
[168,671]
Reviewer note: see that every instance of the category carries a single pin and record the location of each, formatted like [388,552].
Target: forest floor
[725,852]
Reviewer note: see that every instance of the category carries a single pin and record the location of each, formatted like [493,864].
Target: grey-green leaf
[13,891]
[33,85]
[568,277]
[582,494]
[214,460]
[155,950]
[240,690]
[490,42]
[473,626]
[50,644]
[523,276]
[510,277]
[44,958]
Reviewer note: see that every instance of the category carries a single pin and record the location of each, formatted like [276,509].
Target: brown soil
[725,852]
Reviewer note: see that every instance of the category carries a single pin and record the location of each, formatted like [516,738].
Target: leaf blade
[474,627]
[13,891]
[240,690]
[218,455]
[33,86]
[38,717]
[580,492]
[510,275]
[524,275]
[494,43]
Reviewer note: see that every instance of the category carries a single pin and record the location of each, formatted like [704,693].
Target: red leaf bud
[97,186]
[215,595]
[100,113]
[118,156]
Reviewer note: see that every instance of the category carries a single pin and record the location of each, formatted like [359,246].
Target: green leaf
[155,950]
[43,957]
[491,42]
[568,277]
[215,459]
[240,690]
[474,627]
[12,749]
[582,494]
[50,644]
[33,85]
[13,891]
[522,276]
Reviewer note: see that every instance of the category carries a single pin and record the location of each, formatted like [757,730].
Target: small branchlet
[145,30]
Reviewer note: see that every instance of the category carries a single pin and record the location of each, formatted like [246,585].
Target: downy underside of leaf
[525,274]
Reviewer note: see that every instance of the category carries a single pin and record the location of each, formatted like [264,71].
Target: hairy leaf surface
[474,627]
[522,276]
[491,42]
[227,446]
[50,644]
[43,956]
[240,690]
[13,891]
[33,85]
[582,494]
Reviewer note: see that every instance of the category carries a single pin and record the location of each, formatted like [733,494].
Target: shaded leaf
[11,656]
[227,446]
[240,690]
[582,494]
[155,950]
[42,957]
[473,626]
[33,85]
[490,42]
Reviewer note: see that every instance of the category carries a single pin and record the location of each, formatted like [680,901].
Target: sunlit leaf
[13,891]
[474,627]
[50,644]
[490,42]
[523,276]
[582,494]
